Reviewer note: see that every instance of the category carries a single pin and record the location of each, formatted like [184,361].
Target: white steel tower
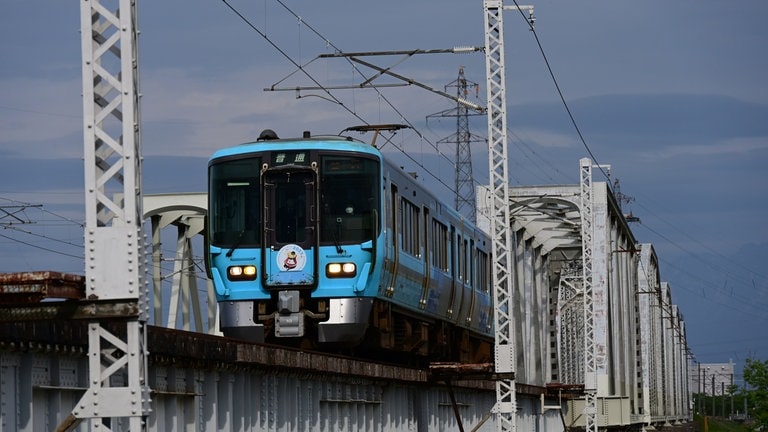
[118,395]
[501,233]
[587,246]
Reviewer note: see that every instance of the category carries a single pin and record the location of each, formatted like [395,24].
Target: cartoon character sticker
[290,261]
[291,258]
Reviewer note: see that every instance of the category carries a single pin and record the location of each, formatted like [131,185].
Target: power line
[81,257]
[707,282]
[526,149]
[336,100]
[340,53]
[699,243]
[748,302]
[389,103]
[289,58]
[594,158]
[559,91]
[42,208]
[44,237]
[45,113]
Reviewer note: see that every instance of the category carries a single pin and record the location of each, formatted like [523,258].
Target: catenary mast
[501,233]
[114,242]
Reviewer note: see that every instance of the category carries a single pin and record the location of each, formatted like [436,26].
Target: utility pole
[698,402]
[722,398]
[704,400]
[746,413]
[731,389]
[714,413]
[464,185]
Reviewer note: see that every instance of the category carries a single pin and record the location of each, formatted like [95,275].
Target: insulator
[466,49]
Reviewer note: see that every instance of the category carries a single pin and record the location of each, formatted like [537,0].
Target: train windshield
[289,193]
[234,206]
[349,194]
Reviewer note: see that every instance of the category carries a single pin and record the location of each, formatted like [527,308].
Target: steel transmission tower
[464,186]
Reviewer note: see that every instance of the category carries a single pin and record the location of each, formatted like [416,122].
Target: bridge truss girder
[186,212]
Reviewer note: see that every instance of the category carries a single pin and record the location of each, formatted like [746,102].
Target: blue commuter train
[321,241]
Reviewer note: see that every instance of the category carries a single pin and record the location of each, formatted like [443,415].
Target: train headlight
[341,270]
[241,273]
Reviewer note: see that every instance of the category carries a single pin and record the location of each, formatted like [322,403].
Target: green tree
[756,376]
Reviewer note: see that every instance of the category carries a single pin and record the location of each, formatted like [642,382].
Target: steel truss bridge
[198,380]
[587,335]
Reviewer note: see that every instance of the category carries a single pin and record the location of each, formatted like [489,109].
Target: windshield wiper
[336,232]
[236,244]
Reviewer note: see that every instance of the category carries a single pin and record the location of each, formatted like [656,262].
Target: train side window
[461,258]
[235,203]
[483,271]
[409,218]
[349,199]
[472,264]
[464,261]
[440,245]
[452,251]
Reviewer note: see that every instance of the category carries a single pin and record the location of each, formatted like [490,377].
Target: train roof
[271,142]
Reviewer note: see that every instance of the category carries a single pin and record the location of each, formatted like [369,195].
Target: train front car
[293,229]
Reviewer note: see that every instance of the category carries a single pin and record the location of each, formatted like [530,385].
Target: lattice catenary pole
[501,234]
[114,240]
[590,360]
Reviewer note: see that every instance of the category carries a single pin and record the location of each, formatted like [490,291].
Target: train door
[460,275]
[471,281]
[426,260]
[392,262]
[455,299]
[464,279]
[290,232]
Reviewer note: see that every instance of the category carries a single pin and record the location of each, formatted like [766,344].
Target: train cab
[292,228]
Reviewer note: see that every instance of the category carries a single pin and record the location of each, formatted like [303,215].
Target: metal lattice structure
[114,239]
[649,295]
[464,180]
[464,188]
[570,324]
[501,233]
[590,363]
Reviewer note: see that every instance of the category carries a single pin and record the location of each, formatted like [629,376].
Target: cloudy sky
[673,95]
